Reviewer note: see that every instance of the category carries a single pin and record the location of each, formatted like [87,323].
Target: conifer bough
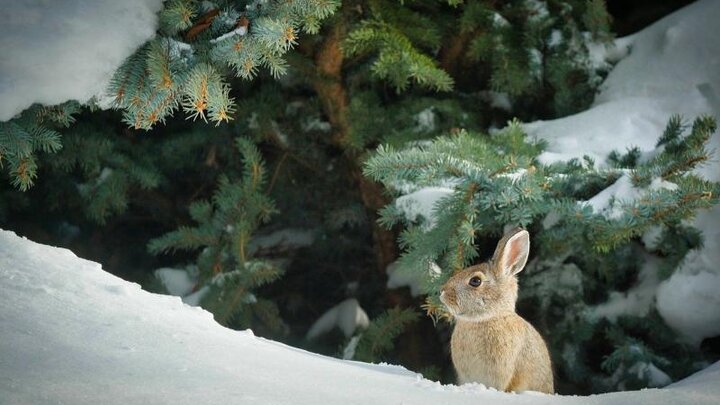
[185,66]
[584,248]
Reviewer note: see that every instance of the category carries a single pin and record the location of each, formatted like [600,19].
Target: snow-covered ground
[71,333]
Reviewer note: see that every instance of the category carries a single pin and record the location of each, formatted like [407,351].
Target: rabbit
[491,344]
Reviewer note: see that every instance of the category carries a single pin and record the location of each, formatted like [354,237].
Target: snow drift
[72,333]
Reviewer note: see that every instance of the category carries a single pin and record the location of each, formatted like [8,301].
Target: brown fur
[491,344]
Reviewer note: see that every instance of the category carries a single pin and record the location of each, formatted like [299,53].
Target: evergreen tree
[583,254]
[316,86]
[228,274]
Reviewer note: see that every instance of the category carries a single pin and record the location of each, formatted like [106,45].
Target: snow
[349,350]
[425,120]
[72,333]
[420,204]
[673,68]
[637,300]
[176,282]
[689,303]
[537,9]
[399,279]
[316,124]
[414,280]
[347,315]
[240,31]
[689,299]
[649,372]
[282,240]
[195,298]
[55,51]
[609,202]
[651,237]
[496,99]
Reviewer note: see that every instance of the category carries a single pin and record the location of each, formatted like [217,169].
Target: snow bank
[72,333]
[60,50]
[673,68]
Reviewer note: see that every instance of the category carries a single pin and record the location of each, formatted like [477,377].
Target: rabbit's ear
[512,252]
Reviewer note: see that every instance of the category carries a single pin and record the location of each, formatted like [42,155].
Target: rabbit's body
[491,344]
[504,352]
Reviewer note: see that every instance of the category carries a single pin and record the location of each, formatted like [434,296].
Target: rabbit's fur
[491,344]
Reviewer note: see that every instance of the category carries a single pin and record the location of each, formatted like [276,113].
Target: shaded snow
[347,316]
[609,201]
[637,300]
[398,279]
[425,120]
[420,204]
[414,280]
[690,303]
[60,50]
[282,240]
[176,281]
[651,373]
[72,333]
[689,300]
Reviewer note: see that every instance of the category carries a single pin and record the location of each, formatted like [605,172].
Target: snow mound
[60,50]
[72,333]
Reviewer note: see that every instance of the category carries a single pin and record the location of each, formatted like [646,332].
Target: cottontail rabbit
[491,344]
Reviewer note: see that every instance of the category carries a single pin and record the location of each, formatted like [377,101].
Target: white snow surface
[60,50]
[72,333]
[673,68]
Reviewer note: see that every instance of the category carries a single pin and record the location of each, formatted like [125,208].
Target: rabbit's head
[489,289]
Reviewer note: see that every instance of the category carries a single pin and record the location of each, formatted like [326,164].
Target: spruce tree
[583,252]
[316,86]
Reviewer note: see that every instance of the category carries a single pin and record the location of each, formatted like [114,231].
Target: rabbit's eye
[475,281]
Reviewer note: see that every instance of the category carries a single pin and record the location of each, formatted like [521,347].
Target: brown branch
[201,25]
[329,86]
[277,172]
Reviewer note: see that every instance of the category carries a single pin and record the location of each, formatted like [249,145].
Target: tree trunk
[330,88]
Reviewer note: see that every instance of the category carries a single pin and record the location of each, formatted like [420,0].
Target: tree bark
[331,90]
